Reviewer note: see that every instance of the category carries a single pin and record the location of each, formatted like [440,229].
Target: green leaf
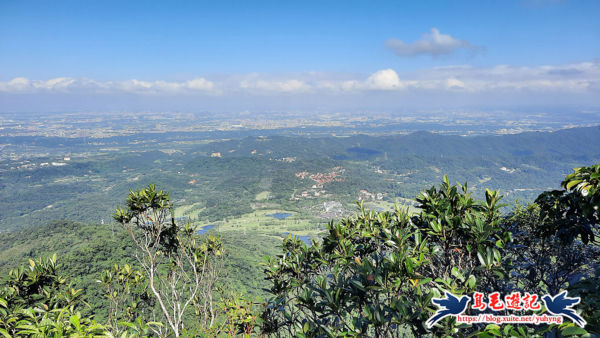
[457,273]
[572,183]
[497,255]
[75,321]
[493,329]
[155,323]
[481,259]
[573,330]
[472,281]
[500,244]
[128,324]
[424,281]
[409,264]
[358,284]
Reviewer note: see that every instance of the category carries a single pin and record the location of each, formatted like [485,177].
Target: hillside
[217,179]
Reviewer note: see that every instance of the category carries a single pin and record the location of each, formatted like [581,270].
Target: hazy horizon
[310,56]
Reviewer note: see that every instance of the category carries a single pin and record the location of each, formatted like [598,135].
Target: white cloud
[54,84]
[165,87]
[21,84]
[65,84]
[15,85]
[433,43]
[285,86]
[386,79]
[200,84]
[453,83]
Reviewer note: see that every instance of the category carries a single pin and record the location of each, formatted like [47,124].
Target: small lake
[205,229]
[280,215]
[305,239]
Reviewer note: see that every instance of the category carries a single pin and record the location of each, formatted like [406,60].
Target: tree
[584,183]
[375,274]
[127,292]
[555,245]
[544,264]
[464,234]
[36,301]
[574,211]
[181,269]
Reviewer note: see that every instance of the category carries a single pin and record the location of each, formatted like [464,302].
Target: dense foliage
[376,273]
[37,302]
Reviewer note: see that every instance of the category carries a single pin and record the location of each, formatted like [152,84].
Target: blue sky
[209,52]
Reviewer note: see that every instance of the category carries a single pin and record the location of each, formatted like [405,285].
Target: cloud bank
[501,84]
[584,76]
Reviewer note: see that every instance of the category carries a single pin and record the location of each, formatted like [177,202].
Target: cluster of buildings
[364,195]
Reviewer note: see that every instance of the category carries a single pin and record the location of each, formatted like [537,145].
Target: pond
[305,239]
[205,229]
[280,215]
